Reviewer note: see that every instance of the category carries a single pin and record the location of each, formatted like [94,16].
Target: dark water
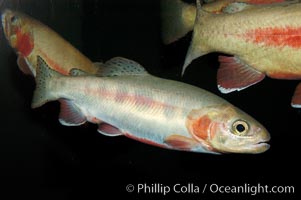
[61,162]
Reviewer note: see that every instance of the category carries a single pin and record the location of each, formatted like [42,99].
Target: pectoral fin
[296,100]
[235,75]
[181,142]
[70,115]
[23,66]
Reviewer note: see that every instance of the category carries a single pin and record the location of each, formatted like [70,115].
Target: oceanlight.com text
[213,188]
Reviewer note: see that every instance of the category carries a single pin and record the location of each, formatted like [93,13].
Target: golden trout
[178,17]
[265,41]
[130,102]
[30,38]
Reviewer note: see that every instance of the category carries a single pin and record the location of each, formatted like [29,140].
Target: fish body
[152,110]
[30,38]
[265,41]
[178,17]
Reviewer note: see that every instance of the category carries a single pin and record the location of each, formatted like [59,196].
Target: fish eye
[13,19]
[240,127]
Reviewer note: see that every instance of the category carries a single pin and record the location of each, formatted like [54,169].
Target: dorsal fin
[119,66]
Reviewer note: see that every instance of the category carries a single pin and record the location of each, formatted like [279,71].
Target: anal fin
[296,100]
[234,75]
[108,130]
[70,115]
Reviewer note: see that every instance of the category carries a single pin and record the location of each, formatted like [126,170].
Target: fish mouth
[261,146]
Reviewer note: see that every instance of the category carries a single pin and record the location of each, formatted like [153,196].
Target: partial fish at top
[30,38]
[265,41]
[128,101]
[178,17]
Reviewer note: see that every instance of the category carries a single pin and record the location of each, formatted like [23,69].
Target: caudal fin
[177,19]
[197,47]
[42,93]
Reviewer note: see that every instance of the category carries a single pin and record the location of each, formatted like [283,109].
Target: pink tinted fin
[234,75]
[23,66]
[296,100]
[108,130]
[180,142]
[70,115]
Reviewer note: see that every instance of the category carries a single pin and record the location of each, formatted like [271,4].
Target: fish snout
[260,145]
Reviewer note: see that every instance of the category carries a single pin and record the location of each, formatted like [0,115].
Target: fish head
[18,31]
[227,129]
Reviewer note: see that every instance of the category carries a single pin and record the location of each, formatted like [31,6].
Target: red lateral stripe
[136,100]
[54,65]
[286,36]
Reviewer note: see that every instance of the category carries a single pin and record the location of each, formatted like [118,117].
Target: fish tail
[197,46]
[42,93]
[177,19]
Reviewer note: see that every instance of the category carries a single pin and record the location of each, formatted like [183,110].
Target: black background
[54,161]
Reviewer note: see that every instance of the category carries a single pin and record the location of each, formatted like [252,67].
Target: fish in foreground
[128,101]
[264,41]
[178,17]
[30,38]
